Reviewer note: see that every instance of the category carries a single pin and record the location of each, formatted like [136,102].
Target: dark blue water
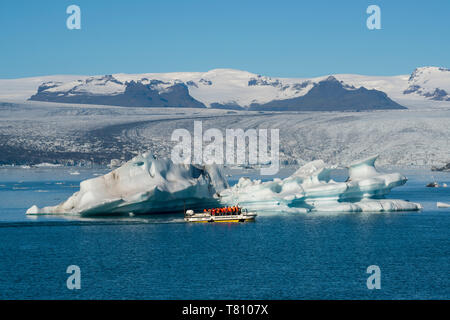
[280,256]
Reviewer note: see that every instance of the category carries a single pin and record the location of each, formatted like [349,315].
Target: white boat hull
[233,218]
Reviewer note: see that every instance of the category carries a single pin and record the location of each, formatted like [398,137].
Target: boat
[242,215]
[443,205]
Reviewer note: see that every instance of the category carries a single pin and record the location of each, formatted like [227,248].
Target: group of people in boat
[223,211]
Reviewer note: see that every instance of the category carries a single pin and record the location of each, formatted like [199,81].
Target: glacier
[146,185]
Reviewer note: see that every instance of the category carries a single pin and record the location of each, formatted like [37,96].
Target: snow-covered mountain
[432,83]
[333,95]
[215,88]
[107,90]
[235,89]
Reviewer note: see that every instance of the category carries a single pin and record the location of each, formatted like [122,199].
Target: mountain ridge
[230,89]
[333,95]
[326,95]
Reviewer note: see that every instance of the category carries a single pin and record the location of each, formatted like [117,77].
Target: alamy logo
[74,20]
[234,154]
[374,280]
[74,280]
[374,20]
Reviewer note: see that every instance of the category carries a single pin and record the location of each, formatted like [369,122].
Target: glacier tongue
[149,185]
[310,189]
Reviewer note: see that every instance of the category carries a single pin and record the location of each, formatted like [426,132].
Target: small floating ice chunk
[47,165]
[33,210]
[443,205]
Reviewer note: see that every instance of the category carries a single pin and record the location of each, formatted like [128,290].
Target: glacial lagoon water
[280,256]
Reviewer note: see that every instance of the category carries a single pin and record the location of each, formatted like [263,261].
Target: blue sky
[275,38]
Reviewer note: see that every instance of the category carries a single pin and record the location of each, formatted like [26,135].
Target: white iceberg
[148,185]
[443,205]
[143,185]
[310,189]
